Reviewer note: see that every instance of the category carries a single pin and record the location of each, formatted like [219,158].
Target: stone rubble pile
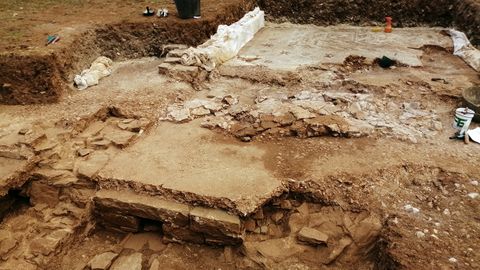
[51,165]
[310,114]
[289,229]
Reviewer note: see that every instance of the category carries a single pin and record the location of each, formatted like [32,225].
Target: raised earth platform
[290,46]
[189,164]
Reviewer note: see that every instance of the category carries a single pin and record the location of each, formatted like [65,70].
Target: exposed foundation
[29,77]
[300,152]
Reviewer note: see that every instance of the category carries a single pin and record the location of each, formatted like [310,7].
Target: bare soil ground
[369,177]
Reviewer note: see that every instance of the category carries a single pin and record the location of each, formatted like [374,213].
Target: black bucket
[187,9]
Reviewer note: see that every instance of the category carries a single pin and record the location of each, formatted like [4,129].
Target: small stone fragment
[48,244]
[101,144]
[274,230]
[246,139]
[24,131]
[200,111]
[230,100]
[473,195]
[301,113]
[277,216]
[102,261]
[83,152]
[129,262]
[419,234]
[179,115]
[154,264]
[121,138]
[259,214]
[250,225]
[286,204]
[6,246]
[354,108]
[410,209]
[312,236]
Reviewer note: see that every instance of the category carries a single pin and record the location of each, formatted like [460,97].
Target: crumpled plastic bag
[99,69]
[464,49]
[195,57]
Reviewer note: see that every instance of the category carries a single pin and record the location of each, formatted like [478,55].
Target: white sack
[100,68]
[227,42]
[464,49]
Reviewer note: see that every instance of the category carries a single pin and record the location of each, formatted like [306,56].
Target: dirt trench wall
[26,79]
[42,78]
[467,18]
[133,40]
[461,13]
[33,77]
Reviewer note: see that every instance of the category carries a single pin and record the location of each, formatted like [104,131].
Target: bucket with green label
[463,118]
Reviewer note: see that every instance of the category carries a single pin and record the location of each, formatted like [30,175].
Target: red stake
[388,28]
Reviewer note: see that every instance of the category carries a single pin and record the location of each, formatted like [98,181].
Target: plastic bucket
[463,118]
[187,9]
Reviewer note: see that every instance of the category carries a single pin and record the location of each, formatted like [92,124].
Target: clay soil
[360,185]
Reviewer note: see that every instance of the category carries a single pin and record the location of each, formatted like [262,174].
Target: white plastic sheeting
[100,68]
[474,134]
[464,49]
[226,43]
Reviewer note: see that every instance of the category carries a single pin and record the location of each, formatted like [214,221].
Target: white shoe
[162,12]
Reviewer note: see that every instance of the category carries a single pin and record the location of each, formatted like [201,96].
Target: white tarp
[464,49]
[474,134]
[226,43]
[100,68]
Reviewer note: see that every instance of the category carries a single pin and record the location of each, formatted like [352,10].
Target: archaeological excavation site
[239,134]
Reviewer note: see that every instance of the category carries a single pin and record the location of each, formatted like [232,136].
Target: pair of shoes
[197,17]
[162,12]
[148,12]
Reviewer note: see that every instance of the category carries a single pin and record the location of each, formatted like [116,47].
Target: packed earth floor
[299,153]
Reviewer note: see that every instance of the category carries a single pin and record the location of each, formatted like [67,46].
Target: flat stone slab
[312,236]
[102,261]
[189,164]
[289,46]
[129,262]
[180,221]
[12,173]
[143,206]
